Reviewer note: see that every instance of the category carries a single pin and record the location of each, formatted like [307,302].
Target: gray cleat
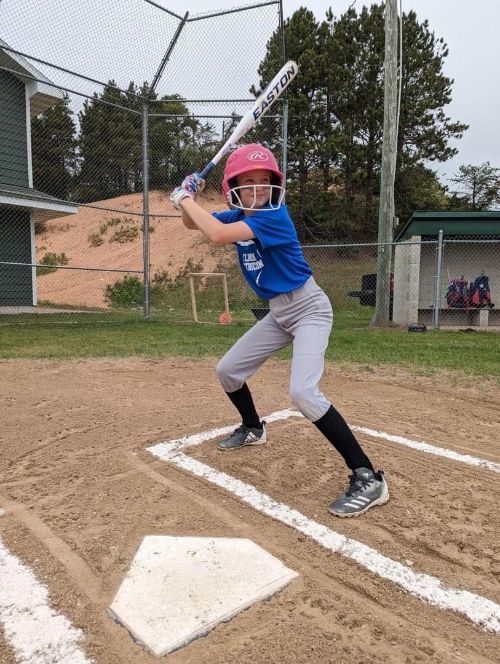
[242,436]
[366,489]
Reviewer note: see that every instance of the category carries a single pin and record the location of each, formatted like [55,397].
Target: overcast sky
[471,30]
[218,57]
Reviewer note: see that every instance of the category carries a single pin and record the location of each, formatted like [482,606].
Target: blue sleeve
[272,228]
[228,216]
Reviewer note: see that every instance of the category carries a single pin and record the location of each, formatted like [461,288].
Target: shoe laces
[243,427]
[357,484]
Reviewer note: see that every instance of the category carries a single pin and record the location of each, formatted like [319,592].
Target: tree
[111,142]
[178,143]
[109,145]
[479,187]
[336,116]
[310,149]
[419,188]
[357,49]
[53,141]
[301,32]
[355,81]
[424,128]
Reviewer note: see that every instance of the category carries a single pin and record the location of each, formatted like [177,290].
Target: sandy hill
[95,238]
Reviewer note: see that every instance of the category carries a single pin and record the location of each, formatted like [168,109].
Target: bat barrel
[262,104]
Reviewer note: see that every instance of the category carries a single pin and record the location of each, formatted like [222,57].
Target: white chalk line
[197,438]
[34,630]
[480,610]
[422,446]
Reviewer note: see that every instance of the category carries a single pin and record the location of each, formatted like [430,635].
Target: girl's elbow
[219,239]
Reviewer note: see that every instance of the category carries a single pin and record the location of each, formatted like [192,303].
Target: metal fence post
[145,205]
[437,284]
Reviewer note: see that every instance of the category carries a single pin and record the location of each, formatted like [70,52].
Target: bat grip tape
[208,168]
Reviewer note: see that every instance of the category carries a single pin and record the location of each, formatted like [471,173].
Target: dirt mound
[81,490]
[111,239]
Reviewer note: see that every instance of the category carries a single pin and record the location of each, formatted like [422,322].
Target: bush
[128,292]
[125,234]
[167,291]
[127,231]
[95,239]
[114,221]
[163,280]
[51,259]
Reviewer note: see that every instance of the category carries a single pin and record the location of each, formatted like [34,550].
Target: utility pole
[388,171]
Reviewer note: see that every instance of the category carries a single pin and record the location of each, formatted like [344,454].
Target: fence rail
[439,288]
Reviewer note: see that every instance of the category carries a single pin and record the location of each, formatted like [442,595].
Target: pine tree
[479,187]
[108,136]
[53,141]
[308,123]
[336,118]
[111,142]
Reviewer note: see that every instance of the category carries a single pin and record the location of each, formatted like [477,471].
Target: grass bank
[476,354]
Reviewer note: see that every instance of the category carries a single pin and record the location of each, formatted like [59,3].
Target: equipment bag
[457,294]
[479,292]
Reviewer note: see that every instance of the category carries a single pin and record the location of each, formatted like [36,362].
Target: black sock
[243,401]
[337,431]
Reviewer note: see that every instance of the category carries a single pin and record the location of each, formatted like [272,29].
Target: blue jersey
[272,262]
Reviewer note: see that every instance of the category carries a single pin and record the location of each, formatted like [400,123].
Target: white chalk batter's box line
[479,610]
[35,631]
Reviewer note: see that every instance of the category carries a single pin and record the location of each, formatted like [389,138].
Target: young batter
[274,266]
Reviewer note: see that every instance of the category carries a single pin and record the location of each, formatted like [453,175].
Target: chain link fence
[103,111]
[448,282]
[426,275]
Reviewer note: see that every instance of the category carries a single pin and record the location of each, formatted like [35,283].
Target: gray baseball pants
[303,318]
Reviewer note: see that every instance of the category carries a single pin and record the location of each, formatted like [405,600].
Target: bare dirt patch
[81,492]
[98,238]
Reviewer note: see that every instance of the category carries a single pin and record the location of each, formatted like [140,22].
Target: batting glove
[193,183]
[178,194]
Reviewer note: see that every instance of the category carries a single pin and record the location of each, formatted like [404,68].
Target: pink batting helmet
[249,158]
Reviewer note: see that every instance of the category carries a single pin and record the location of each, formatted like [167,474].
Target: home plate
[179,588]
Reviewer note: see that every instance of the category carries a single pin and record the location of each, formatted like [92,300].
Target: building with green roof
[471,247]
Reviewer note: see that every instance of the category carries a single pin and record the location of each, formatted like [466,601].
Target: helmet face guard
[248,158]
[275,196]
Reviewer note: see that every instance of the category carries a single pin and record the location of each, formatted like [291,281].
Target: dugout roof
[451,223]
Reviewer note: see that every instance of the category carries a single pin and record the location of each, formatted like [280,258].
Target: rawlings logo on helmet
[258,156]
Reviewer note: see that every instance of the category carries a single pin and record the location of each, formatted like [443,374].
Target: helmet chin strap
[234,194]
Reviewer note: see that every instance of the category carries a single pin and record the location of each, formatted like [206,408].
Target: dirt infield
[80,492]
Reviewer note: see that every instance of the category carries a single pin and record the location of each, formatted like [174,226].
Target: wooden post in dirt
[388,172]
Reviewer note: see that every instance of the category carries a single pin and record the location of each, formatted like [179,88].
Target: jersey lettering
[250,261]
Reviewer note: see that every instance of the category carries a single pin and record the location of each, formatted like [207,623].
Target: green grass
[118,332]
[473,354]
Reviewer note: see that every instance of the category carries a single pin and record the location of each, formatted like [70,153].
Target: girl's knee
[228,377]
[223,371]
[310,402]
[302,398]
